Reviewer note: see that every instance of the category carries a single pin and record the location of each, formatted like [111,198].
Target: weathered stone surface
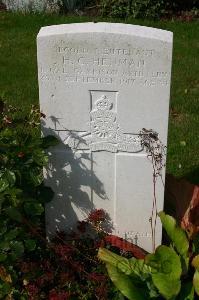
[99,85]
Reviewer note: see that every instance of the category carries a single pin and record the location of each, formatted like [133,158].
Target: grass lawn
[18,80]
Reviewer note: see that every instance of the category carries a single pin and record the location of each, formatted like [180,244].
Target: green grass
[18,80]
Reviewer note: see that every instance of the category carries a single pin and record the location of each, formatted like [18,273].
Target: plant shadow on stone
[71,176]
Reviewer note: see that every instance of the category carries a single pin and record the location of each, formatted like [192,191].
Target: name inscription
[125,67]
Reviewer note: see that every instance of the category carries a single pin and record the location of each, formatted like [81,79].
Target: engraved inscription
[107,51]
[105,132]
[90,65]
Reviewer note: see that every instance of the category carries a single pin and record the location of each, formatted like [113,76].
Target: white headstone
[99,85]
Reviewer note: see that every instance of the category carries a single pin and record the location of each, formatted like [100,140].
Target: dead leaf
[183,198]
[190,221]
[4,275]
[182,143]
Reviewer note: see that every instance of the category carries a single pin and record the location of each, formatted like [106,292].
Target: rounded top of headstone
[103,27]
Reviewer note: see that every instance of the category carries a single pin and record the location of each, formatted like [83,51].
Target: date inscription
[123,67]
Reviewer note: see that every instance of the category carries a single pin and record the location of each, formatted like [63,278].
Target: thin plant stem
[156,154]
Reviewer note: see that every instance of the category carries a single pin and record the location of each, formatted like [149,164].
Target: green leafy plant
[114,8]
[22,192]
[135,8]
[148,9]
[171,272]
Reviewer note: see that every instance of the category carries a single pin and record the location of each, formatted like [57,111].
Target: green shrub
[136,8]
[22,192]
[179,5]
[72,5]
[152,9]
[147,8]
[114,8]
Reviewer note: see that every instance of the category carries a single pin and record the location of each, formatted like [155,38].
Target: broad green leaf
[166,271]
[153,292]
[49,141]
[13,213]
[10,177]
[195,262]
[35,176]
[121,263]
[30,245]
[7,179]
[33,208]
[133,266]
[124,283]
[196,282]
[40,157]
[175,233]
[14,192]
[4,184]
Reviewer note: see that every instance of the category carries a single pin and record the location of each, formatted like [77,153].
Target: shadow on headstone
[70,175]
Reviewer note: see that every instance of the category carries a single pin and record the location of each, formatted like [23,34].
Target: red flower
[40,281]
[101,292]
[78,267]
[46,264]
[47,277]
[64,251]
[96,277]
[32,290]
[58,295]
[97,215]
[66,277]
[21,154]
